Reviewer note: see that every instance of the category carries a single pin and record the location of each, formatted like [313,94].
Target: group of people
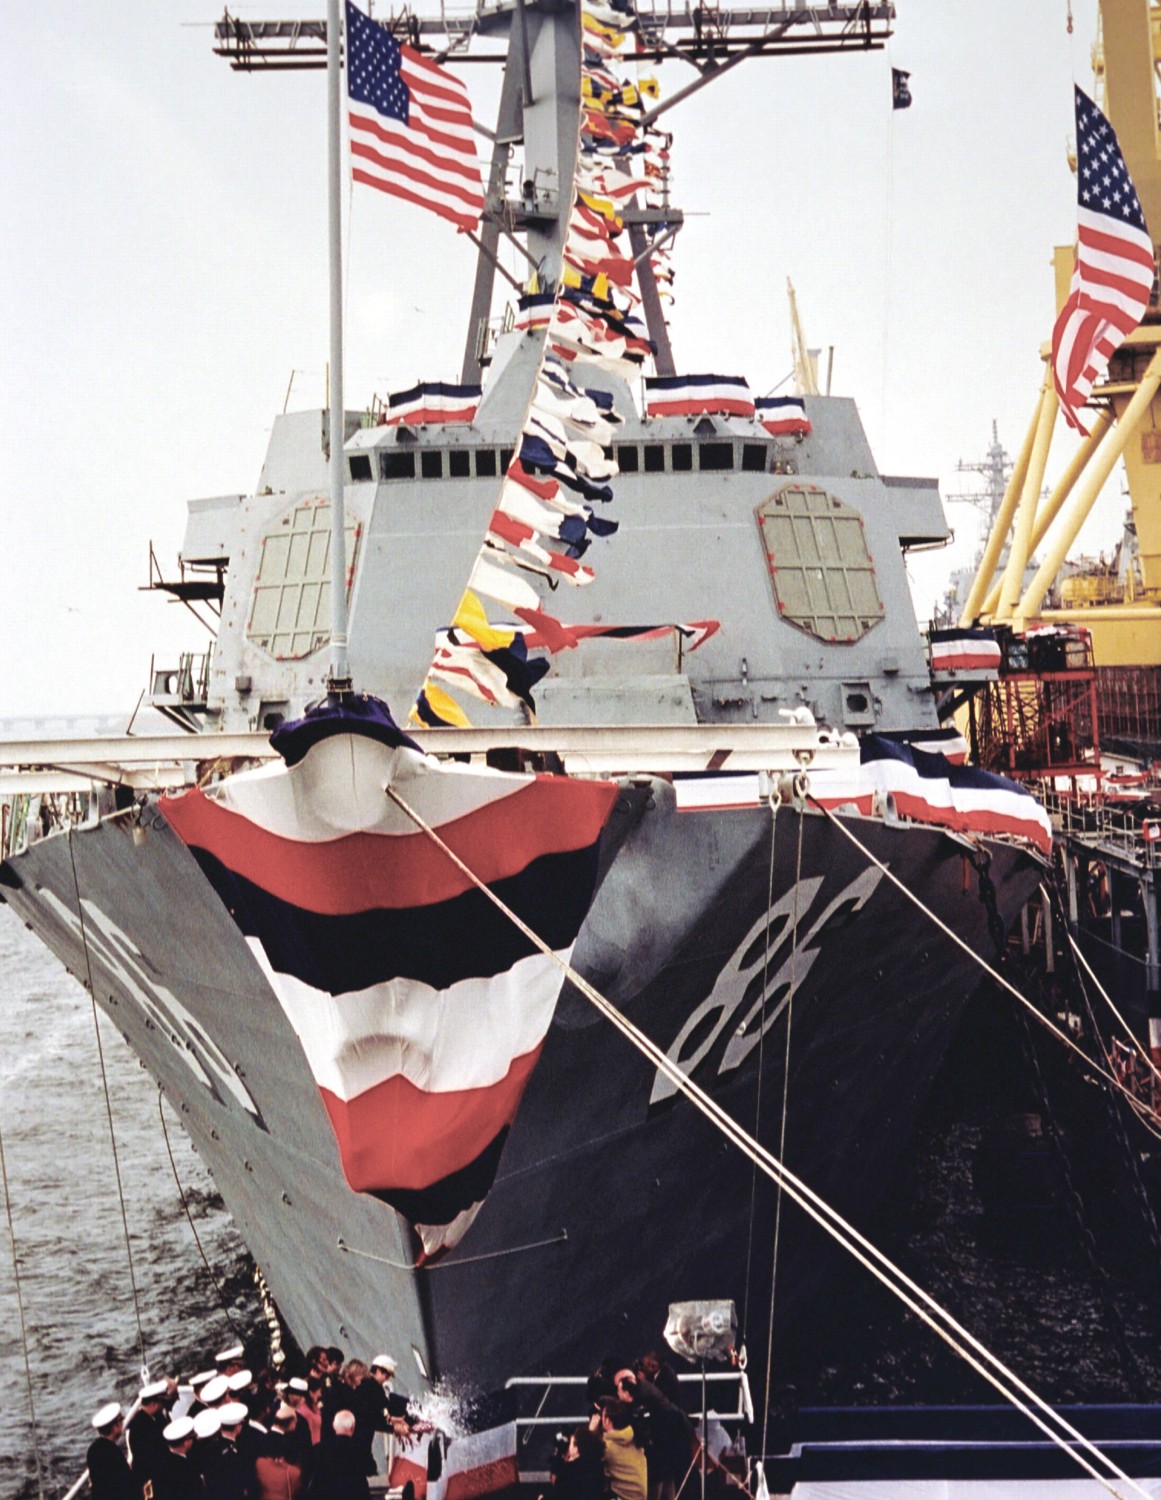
[638,1443]
[230,1434]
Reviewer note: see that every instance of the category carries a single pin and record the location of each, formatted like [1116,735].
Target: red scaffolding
[1039,718]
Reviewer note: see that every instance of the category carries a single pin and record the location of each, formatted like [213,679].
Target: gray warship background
[612,1196]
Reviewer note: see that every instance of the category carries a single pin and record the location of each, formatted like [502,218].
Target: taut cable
[920,1302]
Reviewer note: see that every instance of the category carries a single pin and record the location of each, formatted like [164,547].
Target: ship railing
[1102,826]
[557,1407]
[187,683]
[79,1486]
[154,762]
[49,785]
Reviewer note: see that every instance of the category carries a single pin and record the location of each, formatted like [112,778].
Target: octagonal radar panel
[821,568]
[290,603]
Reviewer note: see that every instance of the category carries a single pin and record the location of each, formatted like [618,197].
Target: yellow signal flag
[443,705]
[598,28]
[470,618]
[605,207]
[597,285]
[595,91]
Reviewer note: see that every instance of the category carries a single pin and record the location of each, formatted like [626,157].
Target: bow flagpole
[339,680]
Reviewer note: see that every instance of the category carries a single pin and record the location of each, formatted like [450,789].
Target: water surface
[83,1343]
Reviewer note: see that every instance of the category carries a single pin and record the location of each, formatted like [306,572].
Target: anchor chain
[1114,1318]
[273,1319]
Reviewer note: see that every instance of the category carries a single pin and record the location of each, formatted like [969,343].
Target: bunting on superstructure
[783,416]
[431,401]
[697,395]
[547,513]
[420,1041]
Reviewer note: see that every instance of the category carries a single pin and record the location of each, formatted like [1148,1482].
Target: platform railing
[740,1406]
[1103,827]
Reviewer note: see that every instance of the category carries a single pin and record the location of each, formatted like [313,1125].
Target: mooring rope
[23,1322]
[782,1131]
[109,1111]
[450,1265]
[1107,998]
[988,969]
[761,1070]
[221,1296]
[920,1302]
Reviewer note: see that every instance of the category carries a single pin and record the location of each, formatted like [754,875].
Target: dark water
[78,1299]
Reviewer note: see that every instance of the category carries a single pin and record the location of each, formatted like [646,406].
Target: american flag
[411,125]
[1113,276]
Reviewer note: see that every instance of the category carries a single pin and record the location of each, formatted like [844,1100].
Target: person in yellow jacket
[625,1465]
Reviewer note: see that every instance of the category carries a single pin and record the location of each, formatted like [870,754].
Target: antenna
[805,360]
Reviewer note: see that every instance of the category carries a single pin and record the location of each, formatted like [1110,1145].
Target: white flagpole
[340,673]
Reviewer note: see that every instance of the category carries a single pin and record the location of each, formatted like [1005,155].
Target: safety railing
[1103,826]
[557,1407]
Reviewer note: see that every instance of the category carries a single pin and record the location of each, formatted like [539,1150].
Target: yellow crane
[1125,619]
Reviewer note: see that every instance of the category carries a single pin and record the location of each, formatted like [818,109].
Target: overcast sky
[163,279]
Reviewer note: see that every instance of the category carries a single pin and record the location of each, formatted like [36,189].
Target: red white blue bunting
[964,651]
[420,1008]
[899,777]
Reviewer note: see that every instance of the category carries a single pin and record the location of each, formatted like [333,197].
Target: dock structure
[1111,863]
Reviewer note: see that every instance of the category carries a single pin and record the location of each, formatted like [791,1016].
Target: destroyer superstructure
[755,588]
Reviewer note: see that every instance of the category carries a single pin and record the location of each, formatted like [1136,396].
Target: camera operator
[577,1466]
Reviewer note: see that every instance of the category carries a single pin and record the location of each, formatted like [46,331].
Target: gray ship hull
[613,1196]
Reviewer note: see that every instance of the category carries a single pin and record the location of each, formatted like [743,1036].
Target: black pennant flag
[900,93]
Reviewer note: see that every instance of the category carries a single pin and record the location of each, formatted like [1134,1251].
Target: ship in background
[755,592]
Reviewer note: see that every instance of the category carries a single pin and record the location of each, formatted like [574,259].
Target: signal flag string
[920,1302]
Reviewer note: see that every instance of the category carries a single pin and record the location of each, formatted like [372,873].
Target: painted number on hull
[767,944]
[116,952]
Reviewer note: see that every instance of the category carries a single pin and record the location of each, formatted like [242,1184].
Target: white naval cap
[154,1392]
[298,1384]
[239,1380]
[197,1381]
[214,1389]
[207,1422]
[383,1362]
[179,1429]
[233,1413]
[107,1415]
[235,1351]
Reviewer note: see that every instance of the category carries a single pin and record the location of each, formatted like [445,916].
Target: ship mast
[339,680]
[711,39]
[539,107]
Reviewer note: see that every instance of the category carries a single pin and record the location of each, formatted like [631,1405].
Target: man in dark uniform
[395,1406]
[229,1469]
[109,1473]
[340,1469]
[146,1445]
[178,1478]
